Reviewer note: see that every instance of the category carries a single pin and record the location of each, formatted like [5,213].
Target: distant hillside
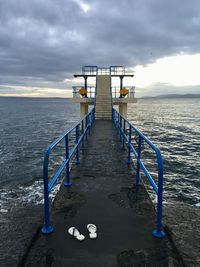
[174,96]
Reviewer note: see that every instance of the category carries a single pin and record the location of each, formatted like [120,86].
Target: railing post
[118,124]
[138,159]
[120,127]
[129,146]
[124,131]
[89,123]
[86,125]
[67,182]
[82,132]
[158,232]
[47,228]
[77,149]
[92,118]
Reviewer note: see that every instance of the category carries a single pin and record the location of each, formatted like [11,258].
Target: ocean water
[28,125]
[174,127]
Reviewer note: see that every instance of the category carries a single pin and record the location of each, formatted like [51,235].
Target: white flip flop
[92,231]
[75,233]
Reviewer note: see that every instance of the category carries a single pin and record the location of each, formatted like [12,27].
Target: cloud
[165,71]
[44,42]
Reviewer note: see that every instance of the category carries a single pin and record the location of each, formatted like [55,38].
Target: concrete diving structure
[103,95]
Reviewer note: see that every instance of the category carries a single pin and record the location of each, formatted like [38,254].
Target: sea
[173,125]
[29,125]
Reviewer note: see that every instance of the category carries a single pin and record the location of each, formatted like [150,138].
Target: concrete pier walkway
[103,193]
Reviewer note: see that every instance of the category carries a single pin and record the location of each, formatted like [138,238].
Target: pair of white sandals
[73,231]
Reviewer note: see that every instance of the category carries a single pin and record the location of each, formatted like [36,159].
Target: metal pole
[89,123]
[124,131]
[121,84]
[77,149]
[82,132]
[86,125]
[67,182]
[92,117]
[85,77]
[120,123]
[138,158]
[159,232]
[129,148]
[47,228]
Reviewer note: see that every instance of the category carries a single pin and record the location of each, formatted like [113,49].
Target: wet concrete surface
[103,193]
[183,223]
[18,228]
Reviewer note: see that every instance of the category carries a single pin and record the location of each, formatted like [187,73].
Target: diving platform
[104,92]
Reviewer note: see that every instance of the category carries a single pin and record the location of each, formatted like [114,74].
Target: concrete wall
[83,109]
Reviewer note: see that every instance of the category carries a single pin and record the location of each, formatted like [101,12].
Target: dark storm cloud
[47,41]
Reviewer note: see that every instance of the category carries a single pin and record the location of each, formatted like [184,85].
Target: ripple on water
[27,126]
[174,126]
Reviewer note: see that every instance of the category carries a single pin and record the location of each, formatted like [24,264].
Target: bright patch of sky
[181,70]
[84,6]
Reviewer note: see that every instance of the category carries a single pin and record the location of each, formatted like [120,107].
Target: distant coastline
[172,96]
[35,97]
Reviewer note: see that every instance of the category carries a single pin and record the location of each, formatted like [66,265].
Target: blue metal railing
[84,127]
[122,124]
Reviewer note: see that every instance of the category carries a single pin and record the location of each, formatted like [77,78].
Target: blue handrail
[122,124]
[85,125]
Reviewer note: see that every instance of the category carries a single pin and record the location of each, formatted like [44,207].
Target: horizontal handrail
[89,70]
[116,92]
[91,91]
[84,126]
[122,124]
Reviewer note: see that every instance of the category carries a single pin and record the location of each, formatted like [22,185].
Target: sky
[43,43]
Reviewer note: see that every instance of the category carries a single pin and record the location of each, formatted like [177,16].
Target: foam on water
[32,194]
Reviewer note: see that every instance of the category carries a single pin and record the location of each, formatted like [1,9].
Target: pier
[102,185]
[104,193]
